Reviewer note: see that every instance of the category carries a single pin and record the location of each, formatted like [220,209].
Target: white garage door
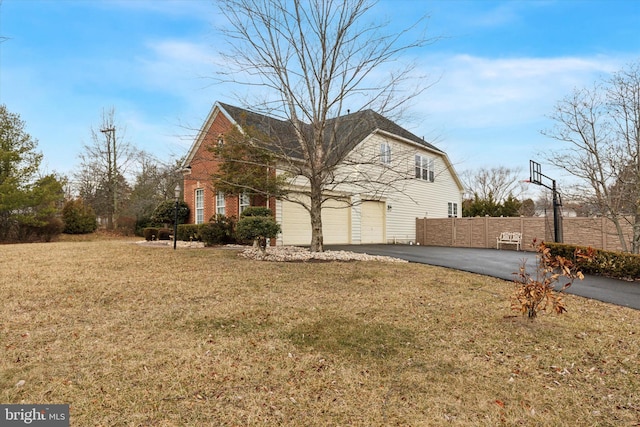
[372,222]
[296,225]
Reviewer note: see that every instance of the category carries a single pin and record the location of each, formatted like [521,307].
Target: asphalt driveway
[501,264]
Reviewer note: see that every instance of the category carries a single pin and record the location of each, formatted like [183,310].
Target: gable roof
[363,123]
[343,132]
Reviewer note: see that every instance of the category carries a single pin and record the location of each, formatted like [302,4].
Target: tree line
[115,186]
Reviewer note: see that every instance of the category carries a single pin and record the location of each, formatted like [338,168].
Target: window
[385,153]
[220,140]
[244,202]
[453,210]
[220,203]
[200,206]
[425,168]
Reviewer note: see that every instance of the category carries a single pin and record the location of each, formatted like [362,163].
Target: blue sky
[498,69]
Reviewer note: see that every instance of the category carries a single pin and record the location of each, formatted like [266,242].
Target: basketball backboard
[535,176]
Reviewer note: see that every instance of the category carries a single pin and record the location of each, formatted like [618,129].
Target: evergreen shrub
[219,231]
[164,233]
[150,233]
[257,224]
[190,232]
[619,265]
[78,218]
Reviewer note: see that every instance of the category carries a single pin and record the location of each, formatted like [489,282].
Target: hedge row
[618,265]
[12,231]
[153,233]
[255,222]
[190,232]
[220,231]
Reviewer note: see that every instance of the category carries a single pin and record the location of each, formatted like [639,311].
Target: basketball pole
[535,177]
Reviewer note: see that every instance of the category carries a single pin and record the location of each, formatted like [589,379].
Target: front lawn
[145,336]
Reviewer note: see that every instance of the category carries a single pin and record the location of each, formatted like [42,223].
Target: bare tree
[602,128]
[154,183]
[497,183]
[316,58]
[103,168]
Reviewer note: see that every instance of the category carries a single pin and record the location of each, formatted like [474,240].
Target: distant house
[431,186]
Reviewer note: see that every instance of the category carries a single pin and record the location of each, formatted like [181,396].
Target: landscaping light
[175,219]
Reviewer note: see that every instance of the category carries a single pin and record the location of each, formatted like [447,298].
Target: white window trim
[220,203]
[385,153]
[243,202]
[199,196]
[452,210]
[426,166]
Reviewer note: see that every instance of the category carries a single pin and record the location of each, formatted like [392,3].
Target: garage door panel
[372,222]
[296,224]
[296,228]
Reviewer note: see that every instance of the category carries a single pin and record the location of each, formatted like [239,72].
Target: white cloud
[490,111]
[479,92]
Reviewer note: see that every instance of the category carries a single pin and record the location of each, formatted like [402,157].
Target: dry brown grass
[140,336]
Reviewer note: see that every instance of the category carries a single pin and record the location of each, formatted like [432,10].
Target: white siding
[409,198]
[428,199]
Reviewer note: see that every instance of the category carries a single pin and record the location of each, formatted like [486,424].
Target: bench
[509,238]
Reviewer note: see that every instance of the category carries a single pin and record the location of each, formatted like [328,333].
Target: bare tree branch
[602,128]
[314,57]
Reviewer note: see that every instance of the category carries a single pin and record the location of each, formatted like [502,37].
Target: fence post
[486,232]
[424,231]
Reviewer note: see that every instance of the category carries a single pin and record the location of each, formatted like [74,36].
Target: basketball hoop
[535,177]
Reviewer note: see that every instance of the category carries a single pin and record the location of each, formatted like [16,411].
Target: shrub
[219,231]
[256,211]
[190,232]
[150,233]
[619,265]
[165,212]
[78,218]
[535,294]
[141,224]
[126,225]
[44,230]
[258,229]
[164,233]
[52,229]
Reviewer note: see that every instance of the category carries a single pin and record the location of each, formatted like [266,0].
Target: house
[372,144]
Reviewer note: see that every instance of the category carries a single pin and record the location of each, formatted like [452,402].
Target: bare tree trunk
[317,239]
[620,233]
[635,245]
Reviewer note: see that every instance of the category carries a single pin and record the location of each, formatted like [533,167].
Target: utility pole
[112,174]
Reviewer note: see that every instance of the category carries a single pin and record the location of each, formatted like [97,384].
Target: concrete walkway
[502,264]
